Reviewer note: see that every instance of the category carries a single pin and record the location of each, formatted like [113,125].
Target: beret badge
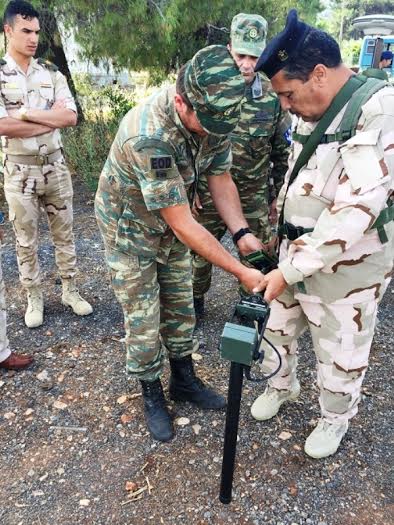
[282,55]
[253,33]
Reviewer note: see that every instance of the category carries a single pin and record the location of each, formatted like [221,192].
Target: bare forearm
[198,239]
[54,118]
[226,199]
[14,128]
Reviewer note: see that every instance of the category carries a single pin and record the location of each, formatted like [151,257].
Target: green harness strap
[339,101]
[347,129]
[385,216]
[348,126]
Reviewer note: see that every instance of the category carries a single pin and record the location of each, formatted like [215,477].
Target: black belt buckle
[293,232]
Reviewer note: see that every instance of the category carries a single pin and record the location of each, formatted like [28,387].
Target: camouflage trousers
[342,334]
[27,189]
[202,269]
[157,304]
[4,345]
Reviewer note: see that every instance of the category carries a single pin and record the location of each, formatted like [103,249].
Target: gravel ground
[74,449]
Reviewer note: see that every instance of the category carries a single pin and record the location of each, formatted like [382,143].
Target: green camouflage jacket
[260,149]
[153,164]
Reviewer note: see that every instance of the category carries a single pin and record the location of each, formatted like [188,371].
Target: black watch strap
[240,233]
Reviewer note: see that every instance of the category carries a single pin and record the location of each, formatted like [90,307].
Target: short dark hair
[181,88]
[19,7]
[318,48]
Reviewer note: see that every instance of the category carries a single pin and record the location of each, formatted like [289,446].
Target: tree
[155,35]
[161,34]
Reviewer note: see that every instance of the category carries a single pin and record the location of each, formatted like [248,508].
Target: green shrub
[87,145]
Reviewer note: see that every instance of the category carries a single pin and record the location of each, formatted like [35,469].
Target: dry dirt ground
[72,435]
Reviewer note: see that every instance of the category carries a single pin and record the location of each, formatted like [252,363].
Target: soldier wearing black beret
[336,225]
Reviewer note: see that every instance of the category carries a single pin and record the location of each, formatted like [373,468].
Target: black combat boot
[185,386]
[199,307]
[158,419]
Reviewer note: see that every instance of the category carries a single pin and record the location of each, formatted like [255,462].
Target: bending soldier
[336,253]
[142,207]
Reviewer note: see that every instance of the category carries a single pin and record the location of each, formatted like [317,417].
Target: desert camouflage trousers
[27,189]
[4,345]
[342,334]
[202,269]
[157,304]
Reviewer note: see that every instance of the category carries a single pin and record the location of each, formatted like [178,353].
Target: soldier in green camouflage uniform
[142,208]
[259,146]
[34,102]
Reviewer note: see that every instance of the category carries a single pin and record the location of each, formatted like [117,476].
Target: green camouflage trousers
[157,304]
[342,334]
[4,346]
[202,269]
[26,189]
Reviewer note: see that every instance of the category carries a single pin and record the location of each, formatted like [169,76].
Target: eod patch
[161,164]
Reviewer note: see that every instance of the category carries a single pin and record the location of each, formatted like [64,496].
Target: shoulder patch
[151,142]
[161,162]
[47,64]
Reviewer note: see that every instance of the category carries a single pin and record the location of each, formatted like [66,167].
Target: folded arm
[14,128]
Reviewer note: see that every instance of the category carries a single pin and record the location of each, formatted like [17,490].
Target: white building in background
[102,75]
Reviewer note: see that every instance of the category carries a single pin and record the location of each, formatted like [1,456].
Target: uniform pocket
[47,95]
[326,181]
[353,353]
[12,97]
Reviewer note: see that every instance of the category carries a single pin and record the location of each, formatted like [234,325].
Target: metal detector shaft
[231,430]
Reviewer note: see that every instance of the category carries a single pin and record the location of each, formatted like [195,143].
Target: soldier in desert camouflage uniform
[142,207]
[34,103]
[259,146]
[337,252]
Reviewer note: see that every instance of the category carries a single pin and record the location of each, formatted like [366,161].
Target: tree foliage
[157,35]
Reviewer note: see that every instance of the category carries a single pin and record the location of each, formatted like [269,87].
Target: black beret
[283,46]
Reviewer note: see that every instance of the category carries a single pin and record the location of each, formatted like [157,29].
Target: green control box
[238,343]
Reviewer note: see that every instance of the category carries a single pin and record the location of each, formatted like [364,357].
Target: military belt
[35,160]
[385,217]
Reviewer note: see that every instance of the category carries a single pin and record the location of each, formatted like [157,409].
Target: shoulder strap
[374,72]
[340,99]
[46,63]
[352,114]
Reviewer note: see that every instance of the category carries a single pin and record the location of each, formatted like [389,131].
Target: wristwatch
[240,233]
[23,113]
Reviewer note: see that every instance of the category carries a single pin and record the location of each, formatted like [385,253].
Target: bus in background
[379,37]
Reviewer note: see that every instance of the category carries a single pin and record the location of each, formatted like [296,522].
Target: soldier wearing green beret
[142,206]
[260,150]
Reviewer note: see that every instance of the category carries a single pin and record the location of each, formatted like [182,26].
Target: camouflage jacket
[153,163]
[340,193]
[39,88]
[260,149]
